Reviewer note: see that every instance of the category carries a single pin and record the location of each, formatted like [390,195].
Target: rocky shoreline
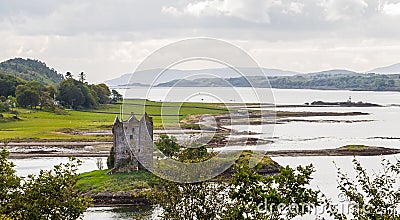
[367,151]
[118,199]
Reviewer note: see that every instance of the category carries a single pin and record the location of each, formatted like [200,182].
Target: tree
[8,84]
[167,145]
[375,197]
[76,94]
[45,99]
[49,195]
[82,77]
[27,96]
[68,75]
[115,96]
[70,94]
[9,183]
[3,107]
[101,92]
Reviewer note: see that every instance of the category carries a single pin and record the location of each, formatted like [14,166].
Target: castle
[132,144]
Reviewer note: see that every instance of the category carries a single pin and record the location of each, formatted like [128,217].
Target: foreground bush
[49,195]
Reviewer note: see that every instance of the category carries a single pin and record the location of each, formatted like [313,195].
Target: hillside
[345,80]
[29,69]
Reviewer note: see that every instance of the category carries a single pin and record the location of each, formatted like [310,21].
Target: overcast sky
[106,38]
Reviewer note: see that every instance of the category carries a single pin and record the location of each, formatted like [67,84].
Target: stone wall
[133,144]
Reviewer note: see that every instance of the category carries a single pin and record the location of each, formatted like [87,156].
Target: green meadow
[47,126]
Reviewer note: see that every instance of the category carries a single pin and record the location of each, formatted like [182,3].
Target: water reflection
[121,212]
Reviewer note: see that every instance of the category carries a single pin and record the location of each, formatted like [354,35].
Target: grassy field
[45,126]
[99,181]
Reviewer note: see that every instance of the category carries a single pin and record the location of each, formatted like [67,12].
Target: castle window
[131,137]
[133,130]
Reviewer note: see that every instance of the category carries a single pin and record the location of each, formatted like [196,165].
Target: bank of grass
[46,126]
[99,181]
[354,147]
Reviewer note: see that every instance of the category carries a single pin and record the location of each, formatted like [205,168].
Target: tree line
[70,93]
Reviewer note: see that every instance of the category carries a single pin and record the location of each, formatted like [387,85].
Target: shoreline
[367,151]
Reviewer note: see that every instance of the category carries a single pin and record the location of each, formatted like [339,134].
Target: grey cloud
[103,36]
[246,19]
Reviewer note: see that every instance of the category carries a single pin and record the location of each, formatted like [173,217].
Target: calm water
[34,165]
[248,95]
[379,128]
[383,131]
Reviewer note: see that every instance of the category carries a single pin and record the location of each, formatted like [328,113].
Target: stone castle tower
[133,144]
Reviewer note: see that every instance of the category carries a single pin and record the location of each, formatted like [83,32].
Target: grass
[45,126]
[354,147]
[99,181]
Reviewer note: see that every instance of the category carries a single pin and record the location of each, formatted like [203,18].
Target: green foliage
[115,96]
[34,93]
[376,197]
[3,107]
[8,84]
[194,153]
[70,93]
[49,195]
[29,70]
[247,195]
[9,183]
[77,94]
[27,96]
[167,145]
[272,197]
[203,200]
[101,92]
[375,82]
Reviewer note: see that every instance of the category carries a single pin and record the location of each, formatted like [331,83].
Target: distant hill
[392,69]
[326,81]
[333,72]
[29,69]
[143,78]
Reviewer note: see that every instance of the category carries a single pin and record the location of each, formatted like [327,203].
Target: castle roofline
[146,117]
[132,117]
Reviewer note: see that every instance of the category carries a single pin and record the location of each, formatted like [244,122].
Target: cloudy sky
[106,38]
